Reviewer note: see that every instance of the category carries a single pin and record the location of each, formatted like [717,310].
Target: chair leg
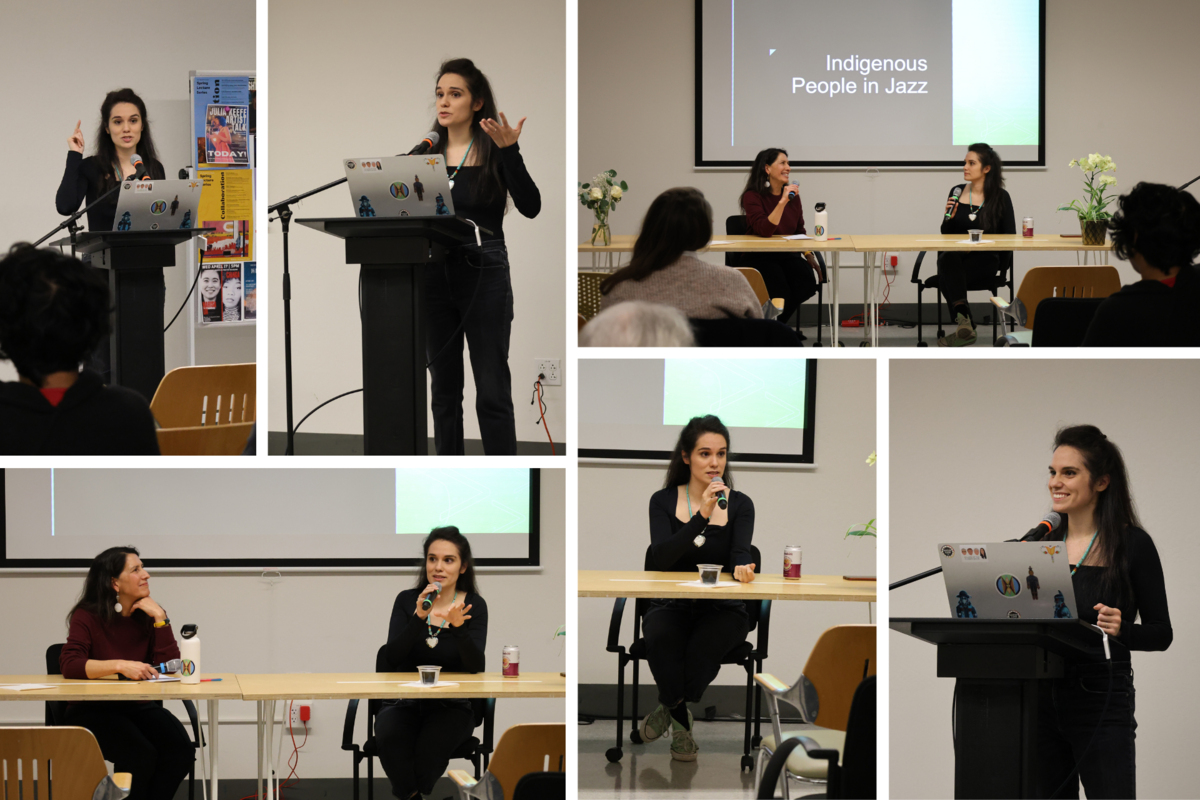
[757,740]
[747,761]
[355,779]
[370,778]
[995,314]
[920,327]
[820,308]
[635,735]
[941,332]
[614,753]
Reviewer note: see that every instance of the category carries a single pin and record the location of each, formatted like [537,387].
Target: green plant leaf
[624,186]
[612,173]
[585,186]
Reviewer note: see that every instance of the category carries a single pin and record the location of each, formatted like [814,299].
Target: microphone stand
[69,222]
[1189,183]
[284,210]
[914,578]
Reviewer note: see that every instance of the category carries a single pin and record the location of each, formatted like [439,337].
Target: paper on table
[719,241]
[23,687]
[438,685]
[162,679]
[981,241]
[703,585]
[797,237]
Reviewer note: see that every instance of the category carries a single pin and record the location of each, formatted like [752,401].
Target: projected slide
[869,82]
[477,501]
[752,394]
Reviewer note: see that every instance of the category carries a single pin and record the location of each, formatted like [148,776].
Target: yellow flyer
[227,204]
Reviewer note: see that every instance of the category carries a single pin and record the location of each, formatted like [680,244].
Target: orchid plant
[869,529]
[1095,202]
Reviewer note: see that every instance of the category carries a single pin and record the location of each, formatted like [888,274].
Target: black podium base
[136,293]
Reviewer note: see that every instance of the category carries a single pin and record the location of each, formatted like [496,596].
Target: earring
[767,184]
[118,607]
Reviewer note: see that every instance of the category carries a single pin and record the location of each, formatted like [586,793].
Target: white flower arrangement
[1095,204]
[601,195]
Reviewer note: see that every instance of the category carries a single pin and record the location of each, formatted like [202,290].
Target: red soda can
[512,661]
[1027,227]
[793,558]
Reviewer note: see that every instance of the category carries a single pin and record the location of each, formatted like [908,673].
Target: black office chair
[473,750]
[1064,321]
[746,655]
[541,786]
[1002,278]
[854,776]
[57,709]
[736,226]
[733,332]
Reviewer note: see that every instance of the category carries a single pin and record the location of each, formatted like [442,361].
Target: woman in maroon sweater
[117,629]
[771,212]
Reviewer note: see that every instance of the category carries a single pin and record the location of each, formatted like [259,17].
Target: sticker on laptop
[1008,585]
[972,552]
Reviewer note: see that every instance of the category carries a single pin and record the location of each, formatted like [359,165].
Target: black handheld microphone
[428,143]
[721,500]
[954,195]
[1048,525]
[140,166]
[427,603]
[793,194]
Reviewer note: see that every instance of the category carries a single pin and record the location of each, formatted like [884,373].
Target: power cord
[537,395]
[199,269]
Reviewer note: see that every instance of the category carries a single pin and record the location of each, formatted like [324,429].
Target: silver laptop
[1014,580]
[399,186]
[151,205]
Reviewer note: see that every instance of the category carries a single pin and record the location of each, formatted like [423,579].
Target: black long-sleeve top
[83,179]
[517,182]
[959,220]
[459,649]
[672,548]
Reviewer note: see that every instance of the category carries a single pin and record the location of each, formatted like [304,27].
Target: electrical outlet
[551,368]
[297,720]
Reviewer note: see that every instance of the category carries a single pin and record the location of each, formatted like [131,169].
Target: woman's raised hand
[430,589]
[137,671]
[457,614]
[744,573]
[150,608]
[708,501]
[501,132]
[1109,619]
[75,140]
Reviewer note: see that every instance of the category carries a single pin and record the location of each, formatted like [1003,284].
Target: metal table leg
[835,320]
[214,730]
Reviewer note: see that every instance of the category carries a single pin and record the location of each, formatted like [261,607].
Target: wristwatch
[166,621]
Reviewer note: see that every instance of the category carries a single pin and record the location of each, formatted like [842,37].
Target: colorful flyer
[222,115]
[227,204]
[249,286]
[221,292]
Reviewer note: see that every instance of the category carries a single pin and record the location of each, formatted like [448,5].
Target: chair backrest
[735,226]
[842,657]
[589,293]
[526,748]
[209,440]
[743,333]
[67,761]
[856,777]
[1090,281]
[756,283]
[1064,321]
[219,394]
[542,786]
[55,709]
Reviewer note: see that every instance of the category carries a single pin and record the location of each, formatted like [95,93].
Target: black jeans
[143,739]
[685,642]
[787,275]
[417,737]
[959,271]
[1069,711]
[487,325]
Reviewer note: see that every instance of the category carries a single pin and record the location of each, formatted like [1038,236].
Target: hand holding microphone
[952,202]
[425,604]
[713,496]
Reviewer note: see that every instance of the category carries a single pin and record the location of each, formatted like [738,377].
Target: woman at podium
[116,628]
[417,738]
[686,639]
[1086,724]
[472,296]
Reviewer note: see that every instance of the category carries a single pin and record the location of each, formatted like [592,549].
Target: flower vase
[601,232]
[1093,231]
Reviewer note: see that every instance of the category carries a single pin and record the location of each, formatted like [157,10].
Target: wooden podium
[393,254]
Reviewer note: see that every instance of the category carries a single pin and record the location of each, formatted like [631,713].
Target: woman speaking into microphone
[417,737]
[686,639]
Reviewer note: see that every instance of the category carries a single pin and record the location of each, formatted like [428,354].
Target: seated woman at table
[980,203]
[773,208]
[664,268]
[1157,230]
[686,639]
[117,629]
[417,737]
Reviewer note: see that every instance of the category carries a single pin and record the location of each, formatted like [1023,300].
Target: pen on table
[210,680]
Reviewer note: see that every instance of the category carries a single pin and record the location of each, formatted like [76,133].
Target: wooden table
[665,585]
[266,690]
[68,690]
[763,244]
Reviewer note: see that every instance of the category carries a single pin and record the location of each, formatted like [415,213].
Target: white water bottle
[821,224]
[189,654]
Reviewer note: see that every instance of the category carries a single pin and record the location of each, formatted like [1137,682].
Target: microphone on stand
[140,166]
[428,143]
[427,603]
[1048,525]
[722,502]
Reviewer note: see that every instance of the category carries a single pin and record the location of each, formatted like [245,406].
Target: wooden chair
[522,750]
[736,226]
[757,283]
[220,394]
[1042,282]
[205,440]
[589,293]
[838,663]
[68,763]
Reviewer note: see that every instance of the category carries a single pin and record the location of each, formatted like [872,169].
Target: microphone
[721,501]
[137,163]
[793,194]
[428,143]
[954,195]
[183,174]
[427,603]
[1048,525]
[174,665]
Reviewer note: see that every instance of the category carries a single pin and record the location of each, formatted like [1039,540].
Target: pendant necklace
[432,640]
[970,195]
[460,166]
[700,538]
[1079,563]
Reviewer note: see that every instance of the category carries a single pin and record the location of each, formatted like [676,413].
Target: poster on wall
[222,118]
[222,296]
[249,287]
[227,204]
[227,135]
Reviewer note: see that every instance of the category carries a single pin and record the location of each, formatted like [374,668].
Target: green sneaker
[656,724]
[683,746]
[965,333]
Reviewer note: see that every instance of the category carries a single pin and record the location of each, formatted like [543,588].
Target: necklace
[700,538]
[432,640]
[1079,563]
[460,164]
[970,196]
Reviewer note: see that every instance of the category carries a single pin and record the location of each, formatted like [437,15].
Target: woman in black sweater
[1117,577]
[979,204]
[686,639]
[472,294]
[417,737]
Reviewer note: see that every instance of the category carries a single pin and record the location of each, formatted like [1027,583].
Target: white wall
[811,508]
[332,622]
[970,445]
[59,59]
[360,79]
[1120,79]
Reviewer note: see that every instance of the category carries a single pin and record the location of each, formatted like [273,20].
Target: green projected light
[748,394]
[997,111]
[475,500]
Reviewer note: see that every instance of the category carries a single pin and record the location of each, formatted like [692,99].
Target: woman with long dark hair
[417,737]
[771,201]
[979,204]
[686,639]
[472,294]
[1117,577]
[116,628]
[665,270]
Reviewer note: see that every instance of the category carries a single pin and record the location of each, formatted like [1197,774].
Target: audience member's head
[638,324]
[1157,229]
[53,312]
[679,220]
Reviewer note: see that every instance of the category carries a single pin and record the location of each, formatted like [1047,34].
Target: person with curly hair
[53,314]
[1157,230]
